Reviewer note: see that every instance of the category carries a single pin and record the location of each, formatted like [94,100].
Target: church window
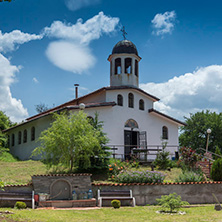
[136,67]
[19,137]
[33,133]
[165,133]
[8,141]
[128,65]
[141,104]
[13,139]
[130,100]
[131,123]
[25,136]
[118,69]
[120,100]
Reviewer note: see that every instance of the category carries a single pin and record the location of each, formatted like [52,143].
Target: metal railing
[141,153]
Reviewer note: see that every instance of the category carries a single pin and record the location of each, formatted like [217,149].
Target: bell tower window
[128,65]
[118,69]
[136,67]
[131,100]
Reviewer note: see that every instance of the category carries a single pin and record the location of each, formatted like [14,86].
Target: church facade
[130,120]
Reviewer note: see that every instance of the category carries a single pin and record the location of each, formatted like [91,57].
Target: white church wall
[111,95]
[24,150]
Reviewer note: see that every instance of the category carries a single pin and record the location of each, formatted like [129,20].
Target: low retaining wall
[193,193]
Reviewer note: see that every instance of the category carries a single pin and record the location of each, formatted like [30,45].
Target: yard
[147,213]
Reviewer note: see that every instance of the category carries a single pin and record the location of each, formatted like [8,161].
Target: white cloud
[9,41]
[72,51]
[189,93]
[163,23]
[11,106]
[35,80]
[70,56]
[74,5]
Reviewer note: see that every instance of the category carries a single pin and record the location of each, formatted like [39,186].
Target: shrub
[217,151]
[171,202]
[140,177]
[116,166]
[20,205]
[216,170]
[190,176]
[162,160]
[188,157]
[115,203]
[1,185]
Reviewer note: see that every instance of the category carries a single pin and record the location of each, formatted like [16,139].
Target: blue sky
[48,45]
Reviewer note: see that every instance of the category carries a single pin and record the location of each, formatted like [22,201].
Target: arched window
[8,141]
[120,100]
[136,67]
[19,137]
[25,136]
[128,65]
[130,100]
[165,133]
[13,139]
[131,123]
[32,133]
[118,69]
[141,104]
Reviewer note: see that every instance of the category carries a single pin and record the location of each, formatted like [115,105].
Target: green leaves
[72,141]
[194,134]
[171,202]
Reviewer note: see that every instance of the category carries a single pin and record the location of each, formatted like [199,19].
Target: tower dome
[124,64]
[125,46]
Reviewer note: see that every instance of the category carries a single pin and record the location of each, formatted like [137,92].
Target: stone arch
[61,189]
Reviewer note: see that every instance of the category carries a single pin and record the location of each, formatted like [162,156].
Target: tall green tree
[71,141]
[4,124]
[194,134]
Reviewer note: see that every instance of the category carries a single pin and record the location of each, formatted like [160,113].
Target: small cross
[124,32]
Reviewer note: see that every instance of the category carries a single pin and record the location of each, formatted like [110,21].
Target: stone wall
[77,182]
[194,193]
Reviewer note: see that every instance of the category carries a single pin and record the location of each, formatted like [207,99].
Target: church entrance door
[130,141]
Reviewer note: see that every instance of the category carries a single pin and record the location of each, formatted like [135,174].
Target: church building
[131,123]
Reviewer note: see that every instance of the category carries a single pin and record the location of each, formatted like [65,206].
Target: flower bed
[140,177]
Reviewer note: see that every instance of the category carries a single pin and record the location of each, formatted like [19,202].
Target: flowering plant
[189,157]
[140,177]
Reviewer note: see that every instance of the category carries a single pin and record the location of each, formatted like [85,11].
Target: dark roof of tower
[125,46]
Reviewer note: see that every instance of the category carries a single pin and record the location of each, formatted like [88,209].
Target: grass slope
[131,214]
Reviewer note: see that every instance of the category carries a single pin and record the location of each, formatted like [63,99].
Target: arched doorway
[131,137]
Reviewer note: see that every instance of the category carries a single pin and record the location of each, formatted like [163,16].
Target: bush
[217,151]
[216,170]
[20,205]
[140,177]
[188,157]
[190,176]
[171,202]
[162,160]
[1,185]
[115,203]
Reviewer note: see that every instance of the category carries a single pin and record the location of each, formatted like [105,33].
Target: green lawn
[123,214]
[20,172]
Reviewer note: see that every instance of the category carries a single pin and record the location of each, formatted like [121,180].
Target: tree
[171,202]
[194,134]
[42,107]
[5,0]
[71,141]
[4,124]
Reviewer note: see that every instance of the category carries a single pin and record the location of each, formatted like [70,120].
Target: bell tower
[124,64]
